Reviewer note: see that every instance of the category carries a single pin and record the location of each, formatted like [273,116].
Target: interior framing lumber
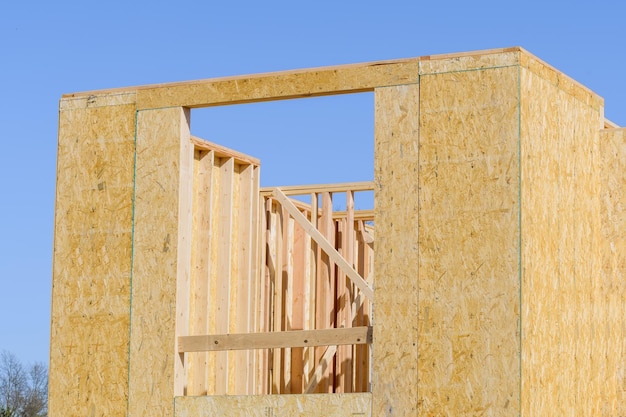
[272,340]
[358,280]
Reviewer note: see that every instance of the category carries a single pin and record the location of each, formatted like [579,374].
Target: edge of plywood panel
[91,262]
[329,405]
[395,354]
[561,246]
[561,80]
[161,259]
[97,100]
[331,80]
[613,290]
[437,64]
[468,350]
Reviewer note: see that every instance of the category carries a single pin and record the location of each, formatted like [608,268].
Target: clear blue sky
[48,48]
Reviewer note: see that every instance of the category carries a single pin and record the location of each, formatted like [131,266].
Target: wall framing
[498,195]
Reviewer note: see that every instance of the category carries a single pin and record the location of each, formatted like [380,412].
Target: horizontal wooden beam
[271,340]
[308,82]
[281,85]
[326,246]
[321,188]
[224,152]
[363,215]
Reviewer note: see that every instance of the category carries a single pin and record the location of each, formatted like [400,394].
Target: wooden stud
[321,369]
[299,304]
[325,245]
[201,261]
[245,277]
[255,271]
[224,259]
[313,282]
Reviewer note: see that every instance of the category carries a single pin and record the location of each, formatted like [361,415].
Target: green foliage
[7,412]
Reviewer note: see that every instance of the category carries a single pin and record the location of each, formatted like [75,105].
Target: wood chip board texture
[562,348]
[327,405]
[92,249]
[468,343]
[514,315]
[162,249]
[612,288]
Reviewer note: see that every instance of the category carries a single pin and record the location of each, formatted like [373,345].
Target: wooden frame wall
[120,273]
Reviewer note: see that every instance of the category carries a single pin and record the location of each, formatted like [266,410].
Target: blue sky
[51,48]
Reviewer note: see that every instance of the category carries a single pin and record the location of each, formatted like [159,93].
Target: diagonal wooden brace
[354,276]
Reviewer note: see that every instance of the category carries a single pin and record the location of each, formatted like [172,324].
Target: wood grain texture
[289,338]
[200,301]
[91,262]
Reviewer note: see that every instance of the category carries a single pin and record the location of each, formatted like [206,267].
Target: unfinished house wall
[92,248]
[161,249]
[496,239]
[561,246]
[611,329]
[468,339]
[395,375]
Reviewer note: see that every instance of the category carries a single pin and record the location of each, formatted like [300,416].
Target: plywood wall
[161,252]
[469,243]
[395,375]
[562,367]
[327,405]
[611,165]
[92,250]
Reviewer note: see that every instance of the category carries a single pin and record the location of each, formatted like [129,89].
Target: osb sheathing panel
[612,169]
[563,345]
[469,61]
[612,295]
[328,405]
[283,85]
[394,379]
[468,350]
[162,251]
[560,80]
[92,252]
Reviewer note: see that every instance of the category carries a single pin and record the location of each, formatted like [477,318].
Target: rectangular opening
[258,270]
